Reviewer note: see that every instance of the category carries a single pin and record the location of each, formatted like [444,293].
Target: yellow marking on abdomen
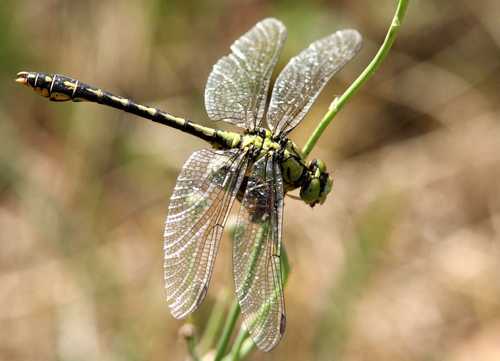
[70,85]
[150,111]
[97,92]
[120,100]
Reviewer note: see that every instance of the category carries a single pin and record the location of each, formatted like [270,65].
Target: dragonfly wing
[303,78]
[256,254]
[237,87]
[205,190]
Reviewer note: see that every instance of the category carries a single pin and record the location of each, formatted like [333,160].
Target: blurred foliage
[401,263]
[372,232]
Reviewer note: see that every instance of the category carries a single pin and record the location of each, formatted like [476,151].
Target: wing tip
[354,37]
[282,324]
[274,21]
[181,313]
[268,345]
[275,342]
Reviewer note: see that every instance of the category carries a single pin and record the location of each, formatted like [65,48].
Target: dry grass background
[401,263]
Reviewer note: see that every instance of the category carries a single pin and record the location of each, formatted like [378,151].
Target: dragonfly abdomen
[60,88]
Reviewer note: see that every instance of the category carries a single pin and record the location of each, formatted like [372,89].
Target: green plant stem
[238,343]
[231,319]
[191,344]
[246,348]
[339,102]
[214,323]
[243,345]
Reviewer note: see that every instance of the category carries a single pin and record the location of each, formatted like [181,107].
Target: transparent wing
[301,81]
[256,255]
[203,195]
[236,90]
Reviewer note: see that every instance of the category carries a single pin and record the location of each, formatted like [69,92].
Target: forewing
[301,81]
[236,90]
[256,255]
[202,197]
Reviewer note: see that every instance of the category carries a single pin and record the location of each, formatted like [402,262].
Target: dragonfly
[255,168]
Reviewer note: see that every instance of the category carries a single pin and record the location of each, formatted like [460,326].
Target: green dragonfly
[256,168]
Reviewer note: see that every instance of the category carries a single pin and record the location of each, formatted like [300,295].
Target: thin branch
[237,345]
[227,331]
[214,323]
[191,344]
[188,333]
[339,102]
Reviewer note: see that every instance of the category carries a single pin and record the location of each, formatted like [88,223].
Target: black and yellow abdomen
[61,88]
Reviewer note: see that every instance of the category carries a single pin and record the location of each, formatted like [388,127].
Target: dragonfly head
[317,184]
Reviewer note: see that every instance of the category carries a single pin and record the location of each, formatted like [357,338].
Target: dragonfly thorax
[260,142]
[312,178]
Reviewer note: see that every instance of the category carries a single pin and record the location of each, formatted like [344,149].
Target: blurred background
[401,263]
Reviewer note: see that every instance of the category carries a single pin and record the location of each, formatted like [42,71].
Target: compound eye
[326,189]
[310,193]
[321,165]
[317,164]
